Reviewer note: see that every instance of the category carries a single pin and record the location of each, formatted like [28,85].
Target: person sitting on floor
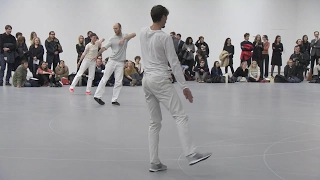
[201,72]
[216,74]
[132,74]
[45,75]
[138,65]
[290,73]
[241,74]
[20,75]
[254,72]
[62,71]
[299,61]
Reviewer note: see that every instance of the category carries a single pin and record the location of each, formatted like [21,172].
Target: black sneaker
[99,101]
[116,103]
[8,84]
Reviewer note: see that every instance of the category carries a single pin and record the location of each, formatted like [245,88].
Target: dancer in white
[89,61]
[157,50]
[118,44]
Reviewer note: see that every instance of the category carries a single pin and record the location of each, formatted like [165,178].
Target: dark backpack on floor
[280,79]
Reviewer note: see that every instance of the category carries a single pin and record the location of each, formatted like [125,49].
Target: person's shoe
[157,167]
[71,90]
[133,82]
[88,93]
[116,103]
[197,157]
[8,84]
[99,101]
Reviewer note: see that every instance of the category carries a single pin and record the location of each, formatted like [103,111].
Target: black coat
[290,72]
[52,46]
[36,52]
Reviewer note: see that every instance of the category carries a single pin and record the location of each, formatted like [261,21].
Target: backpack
[280,79]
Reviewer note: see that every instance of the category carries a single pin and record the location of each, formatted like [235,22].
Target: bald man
[118,44]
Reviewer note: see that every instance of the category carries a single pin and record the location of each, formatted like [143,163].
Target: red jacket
[246,55]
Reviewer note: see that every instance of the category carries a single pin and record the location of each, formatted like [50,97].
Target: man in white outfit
[118,44]
[157,50]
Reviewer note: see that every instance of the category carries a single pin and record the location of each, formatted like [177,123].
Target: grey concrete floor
[255,131]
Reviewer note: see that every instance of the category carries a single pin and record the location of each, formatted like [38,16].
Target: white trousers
[86,63]
[117,68]
[160,90]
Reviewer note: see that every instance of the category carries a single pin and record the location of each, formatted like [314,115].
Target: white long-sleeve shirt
[157,50]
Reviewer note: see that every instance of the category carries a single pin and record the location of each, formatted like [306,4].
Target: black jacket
[299,60]
[199,44]
[87,40]
[52,46]
[290,72]
[36,52]
[4,38]
[240,73]
[257,51]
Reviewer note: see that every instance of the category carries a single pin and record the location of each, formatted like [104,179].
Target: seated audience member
[241,74]
[125,81]
[200,56]
[216,74]
[290,73]
[84,78]
[316,73]
[299,61]
[45,75]
[132,74]
[104,62]
[201,72]
[20,76]
[185,72]
[254,72]
[100,68]
[62,71]
[137,60]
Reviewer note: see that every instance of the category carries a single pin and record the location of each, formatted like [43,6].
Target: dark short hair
[316,32]
[24,61]
[202,61]
[179,35]
[7,27]
[137,57]
[157,12]
[89,33]
[93,34]
[51,32]
[174,33]
[297,46]
[265,36]
[18,34]
[246,34]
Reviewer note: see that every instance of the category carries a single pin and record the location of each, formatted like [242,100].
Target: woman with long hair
[276,59]
[32,36]
[45,75]
[257,51]
[254,72]
[265,56]
[36,52]
[188,57]
[230,49]
[307,46]
[200,56]
[80,48]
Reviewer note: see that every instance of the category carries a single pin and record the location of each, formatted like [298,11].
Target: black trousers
[45,79]
[265,63]
[189,63]
[314,60]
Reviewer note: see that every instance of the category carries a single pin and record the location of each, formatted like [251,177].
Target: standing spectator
[36,52]
[45,75]
[276,59]
[189,50]
[88,39]
[307,47]
[257,52]
[203,46]
[22,52]
[8,46]
[246,47]
[265,56]
[201,72]
[230,49]
[62,71]
[315,51]
[254,72]
[18,34]
[180,44]
[80,48]
[20,76]
[53,50]
[32,36]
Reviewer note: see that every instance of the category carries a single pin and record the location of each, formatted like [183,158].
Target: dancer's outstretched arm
[130,36]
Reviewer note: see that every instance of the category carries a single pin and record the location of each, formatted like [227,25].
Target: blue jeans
[27,84]
[3,64]
[294,80]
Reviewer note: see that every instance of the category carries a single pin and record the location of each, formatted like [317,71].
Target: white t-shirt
[92,50]
[157,50]
[118,52]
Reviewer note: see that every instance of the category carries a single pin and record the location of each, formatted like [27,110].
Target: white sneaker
[157,167]
[197,157]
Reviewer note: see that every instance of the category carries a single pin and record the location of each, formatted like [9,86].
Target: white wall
[214,19]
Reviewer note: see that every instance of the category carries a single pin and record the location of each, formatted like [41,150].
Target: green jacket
[20,76]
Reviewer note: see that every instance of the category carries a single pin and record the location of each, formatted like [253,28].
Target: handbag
[309,78]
